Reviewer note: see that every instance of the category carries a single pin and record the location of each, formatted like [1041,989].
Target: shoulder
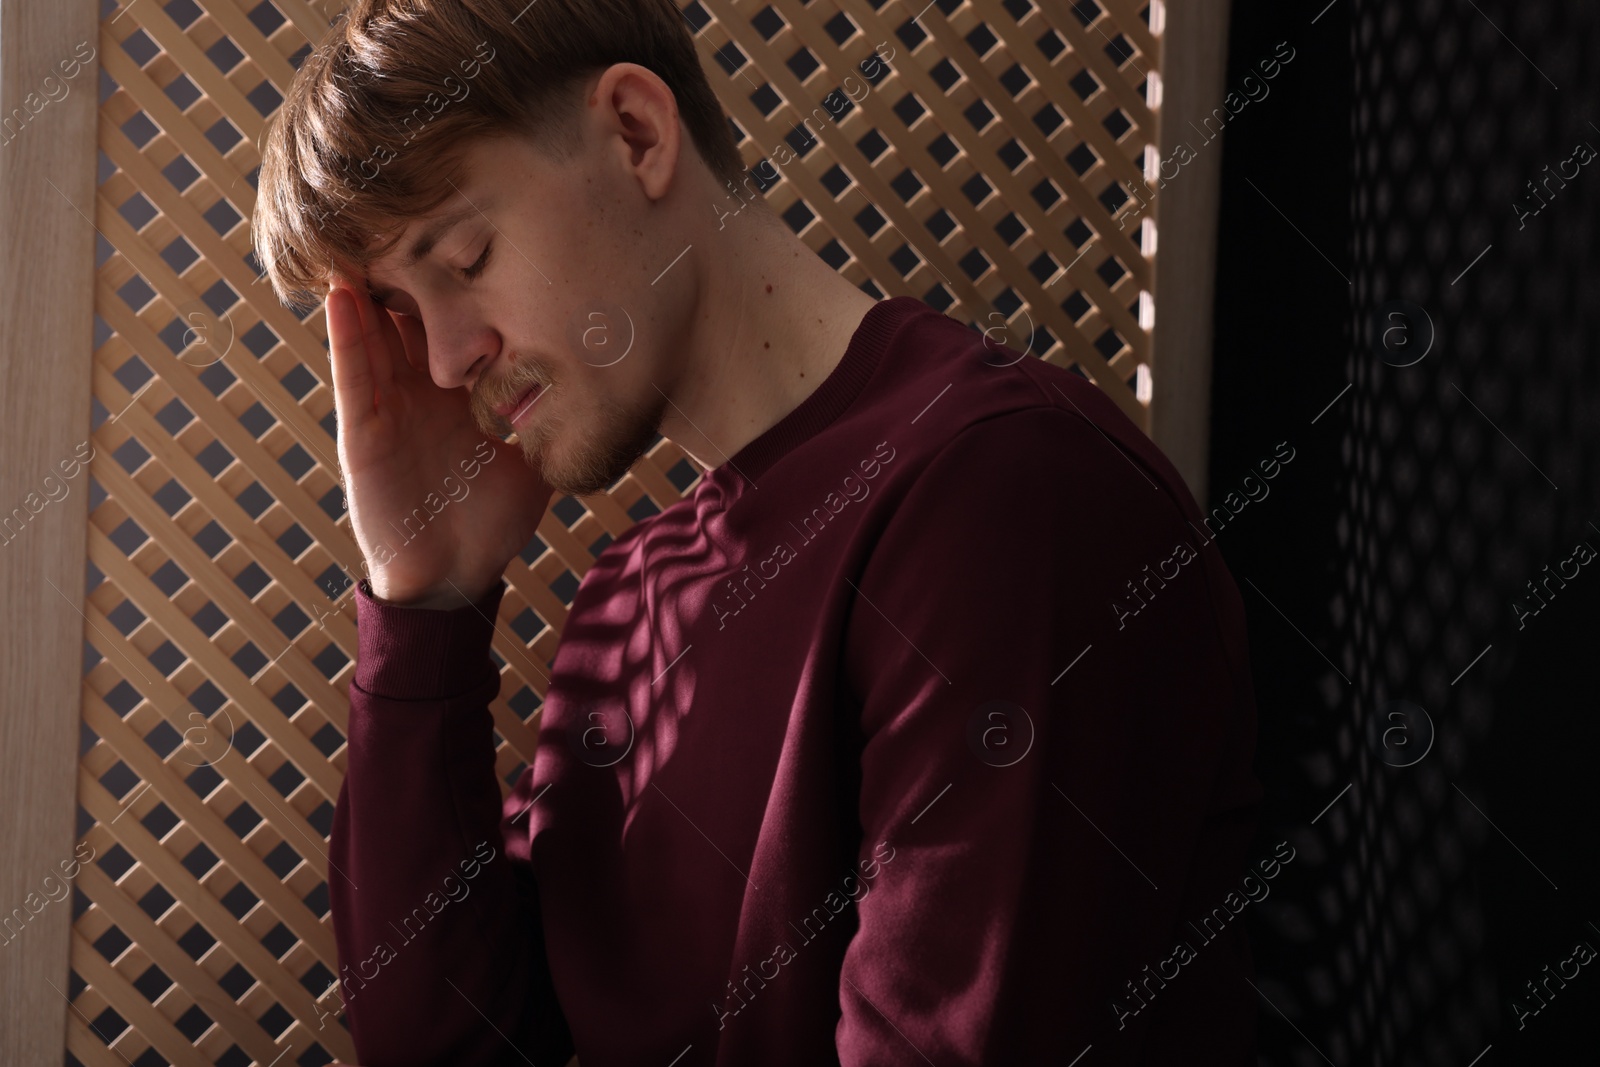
[1047,433]
[947,389]
[1043,476]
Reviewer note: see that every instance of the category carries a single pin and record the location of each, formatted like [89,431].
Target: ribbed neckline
[836,393]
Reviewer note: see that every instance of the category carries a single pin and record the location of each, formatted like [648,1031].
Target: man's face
[538,284]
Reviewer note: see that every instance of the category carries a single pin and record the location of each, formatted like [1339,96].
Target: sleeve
[439,933]
[1038,770]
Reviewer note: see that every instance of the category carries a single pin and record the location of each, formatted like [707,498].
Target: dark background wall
[1447,845]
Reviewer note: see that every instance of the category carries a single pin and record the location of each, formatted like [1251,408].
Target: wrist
[447,598]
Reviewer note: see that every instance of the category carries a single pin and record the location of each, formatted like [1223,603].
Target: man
[915,733]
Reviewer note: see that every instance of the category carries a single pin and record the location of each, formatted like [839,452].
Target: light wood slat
[655,484]
[88,1047]
[1128,59]
[286,40]
[249,453]
[1055,87]
[160,277]
[165,114]
[803,174]
[1124,363]
[174,925]
[222,506]
[220,587]
[520,737]
[956,203]
[132,921]
[1008,123]
[1125,17]
[1054,79]
[835,145]
[207,910]
[1012,123]
[1114,156]
[204,32]
[311,23]
[187,638]
[574,553]
[290,824]
[520,661]
[1134,351]
[171,790]
[1081,122]
[215,252]
[243,33]
[133,1007]
[538,596]
[612,517]
[1083,201]
[1088,48]
[155,21]
[949,196]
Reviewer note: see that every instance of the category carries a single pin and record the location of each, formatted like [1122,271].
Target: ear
[639,110]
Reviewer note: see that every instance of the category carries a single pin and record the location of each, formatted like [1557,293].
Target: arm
[441,948]
[1038,832]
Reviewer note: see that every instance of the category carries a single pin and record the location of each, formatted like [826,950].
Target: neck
[773,321]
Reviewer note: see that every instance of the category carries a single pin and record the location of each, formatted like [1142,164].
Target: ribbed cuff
[407,653]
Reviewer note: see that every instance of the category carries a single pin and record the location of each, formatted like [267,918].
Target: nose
[460,346]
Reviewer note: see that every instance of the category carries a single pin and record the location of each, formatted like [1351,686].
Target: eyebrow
[427,240]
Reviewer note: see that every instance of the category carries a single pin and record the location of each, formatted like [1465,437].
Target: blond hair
[371,131]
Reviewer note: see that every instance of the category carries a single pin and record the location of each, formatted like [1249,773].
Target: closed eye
[477,268]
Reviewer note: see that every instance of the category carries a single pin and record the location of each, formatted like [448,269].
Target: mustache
[490,394]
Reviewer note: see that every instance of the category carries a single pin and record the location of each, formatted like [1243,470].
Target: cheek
[602,337]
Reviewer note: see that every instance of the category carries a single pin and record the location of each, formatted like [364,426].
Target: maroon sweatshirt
[919,732]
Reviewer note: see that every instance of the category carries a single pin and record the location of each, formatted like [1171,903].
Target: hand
[400,438]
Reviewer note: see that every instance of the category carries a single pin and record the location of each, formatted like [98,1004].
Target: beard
[586,458]
[573,457]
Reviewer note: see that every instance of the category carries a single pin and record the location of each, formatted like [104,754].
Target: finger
[379,355]
[354,391]
[397,343]
[415,338]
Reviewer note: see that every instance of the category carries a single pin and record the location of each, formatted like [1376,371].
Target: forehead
[423,234]
[497,172]
[477,162]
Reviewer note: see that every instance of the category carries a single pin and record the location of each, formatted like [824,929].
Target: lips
[514,411]
[504,410]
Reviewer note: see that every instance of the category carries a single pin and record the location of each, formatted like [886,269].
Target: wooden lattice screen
[977,163]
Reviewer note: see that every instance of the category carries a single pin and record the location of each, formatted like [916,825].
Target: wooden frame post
[47,196]
[1194,61]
